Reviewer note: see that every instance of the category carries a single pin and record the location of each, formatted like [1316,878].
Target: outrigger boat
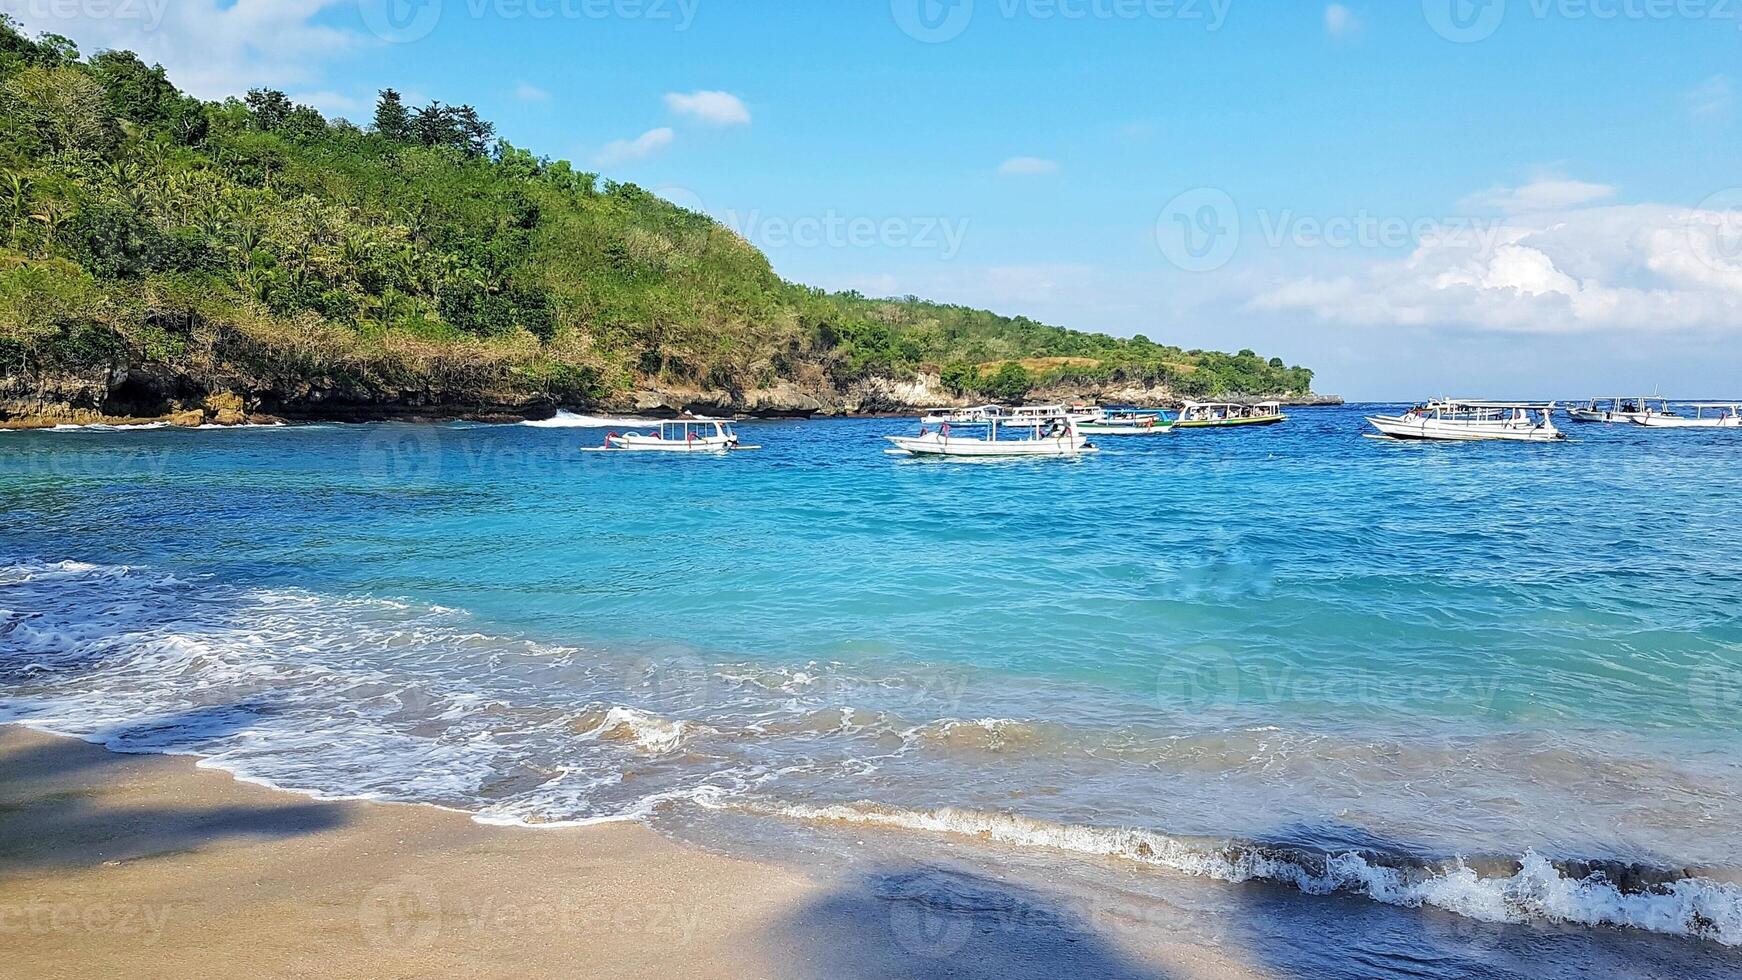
[1127,424]
[691,435]
[1207,415]
[1057,437]
[1723,415]
[1619,410]
[1468,421]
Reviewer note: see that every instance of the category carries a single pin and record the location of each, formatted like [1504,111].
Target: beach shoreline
[150,865]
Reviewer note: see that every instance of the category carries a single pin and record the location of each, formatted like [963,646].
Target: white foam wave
[570,420]
[647,731]
[1693,907]
[106,427]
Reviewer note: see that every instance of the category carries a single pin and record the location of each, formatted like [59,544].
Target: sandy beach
[147,865]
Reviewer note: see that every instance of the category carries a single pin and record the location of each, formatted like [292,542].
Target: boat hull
[642,444]
[1612,418]
[1678,422]
[1093,429]
[1436,430]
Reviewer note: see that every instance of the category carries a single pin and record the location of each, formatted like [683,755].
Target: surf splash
[1536,889]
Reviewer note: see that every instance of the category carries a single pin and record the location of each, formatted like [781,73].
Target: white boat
[1058,437]
[691,435]
[1455,420]
[964,416]
[1031,414]
[1127,424]
[1707,415]
[1215,415]
[1618,410]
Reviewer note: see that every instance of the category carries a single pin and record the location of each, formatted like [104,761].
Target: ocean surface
[1491,683]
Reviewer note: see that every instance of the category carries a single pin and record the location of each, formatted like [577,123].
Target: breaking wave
[1527,889]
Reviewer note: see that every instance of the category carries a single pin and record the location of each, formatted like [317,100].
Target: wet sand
[146,865]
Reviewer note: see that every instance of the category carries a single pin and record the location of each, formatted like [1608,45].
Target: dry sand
[146,866]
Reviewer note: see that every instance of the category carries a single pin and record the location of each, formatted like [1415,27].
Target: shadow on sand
[51,817]
[926,922]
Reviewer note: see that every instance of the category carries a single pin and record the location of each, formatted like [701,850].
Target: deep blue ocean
[1452,676]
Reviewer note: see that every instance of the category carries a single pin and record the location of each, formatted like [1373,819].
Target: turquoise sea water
[1235,654]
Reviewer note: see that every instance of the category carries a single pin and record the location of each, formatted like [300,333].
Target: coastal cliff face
[121,393]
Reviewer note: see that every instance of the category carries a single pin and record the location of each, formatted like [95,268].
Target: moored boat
[1618,410]
[691,435]
[1454,420]
[1056,438]
[1210,415]
[1032,414]
[1707,415]
[1127,424]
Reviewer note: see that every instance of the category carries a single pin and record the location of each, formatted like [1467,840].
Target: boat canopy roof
[1483,403]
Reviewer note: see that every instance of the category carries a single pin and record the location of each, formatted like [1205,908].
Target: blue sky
[1482,197]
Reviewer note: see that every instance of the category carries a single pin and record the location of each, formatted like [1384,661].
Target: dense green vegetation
[253,244]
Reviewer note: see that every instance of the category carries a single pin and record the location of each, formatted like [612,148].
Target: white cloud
[527,92]
[1027,167]
[1711,99]
[211,48]
[1340,21]
[639,148]
[1646,268]
[1548,194]
[713,108]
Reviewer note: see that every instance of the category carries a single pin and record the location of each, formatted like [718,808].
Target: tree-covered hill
[158,249]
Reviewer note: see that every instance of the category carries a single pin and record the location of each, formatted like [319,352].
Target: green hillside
[254,246]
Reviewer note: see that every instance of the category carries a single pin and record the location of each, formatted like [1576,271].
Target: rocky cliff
[120,393]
